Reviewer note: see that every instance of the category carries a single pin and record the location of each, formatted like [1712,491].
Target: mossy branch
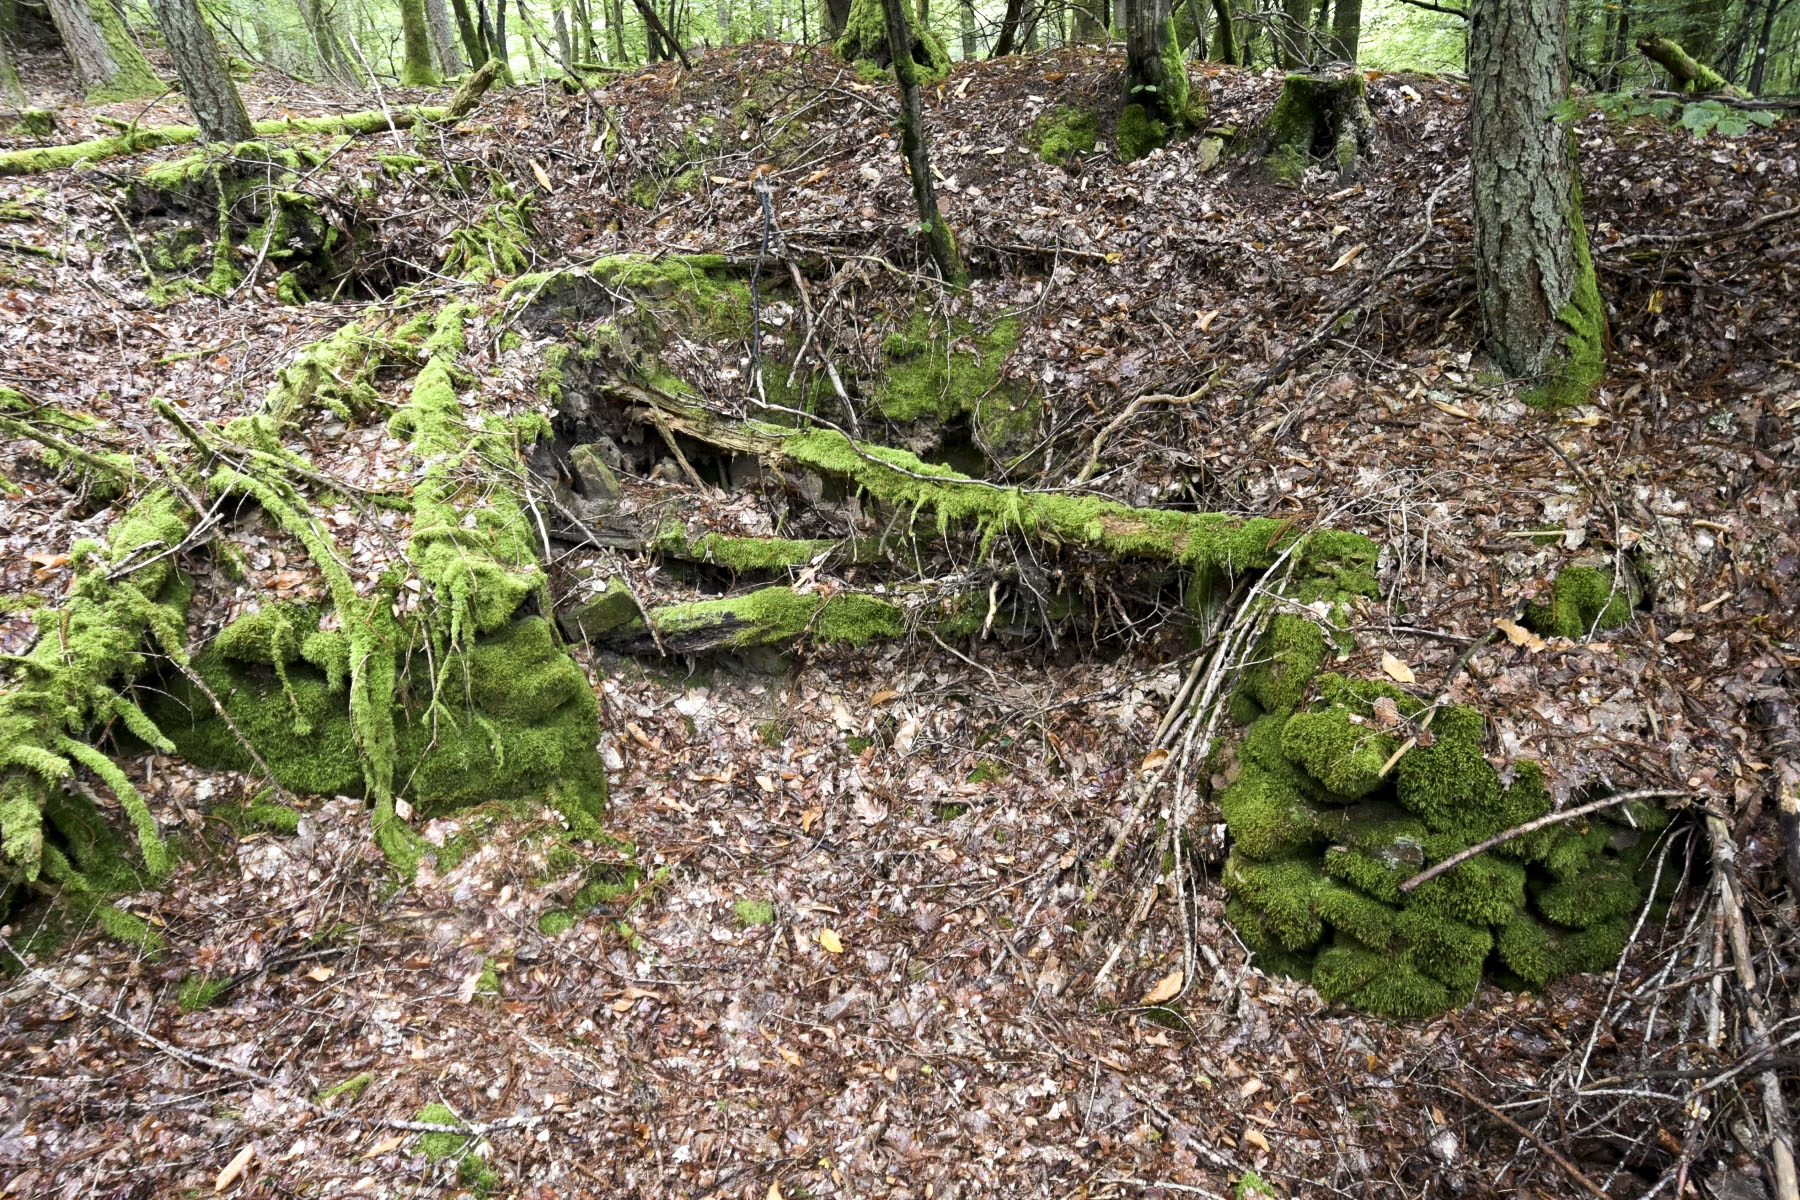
[53,158]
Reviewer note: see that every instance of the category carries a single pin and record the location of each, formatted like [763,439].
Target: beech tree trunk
[1225,47]
[108,64]
[11,92]
[1759,62]
[499,44]
[1544,317]
[618,30]
[415,30]
[1147,77]
[1009,29]
[938,238]
[1346,29]
[1295,34]
[472,40]
[970,44]
[837,15]
[443,38]
[210,93]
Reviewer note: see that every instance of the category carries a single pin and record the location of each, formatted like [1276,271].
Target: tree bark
[415,29]
[211,95]
[1760,60]
[1688,74]
[971,45]
[653,22]
[722,18]
[618,30]
[499,44]
[1544,317]
[938,238]
[11,91]
[470,32]
[1088,26]
[837,15]
[1295,35]
[108,64]
[1009,29]
[1149,79]
[443,37]
[1225,47]
[1346,28]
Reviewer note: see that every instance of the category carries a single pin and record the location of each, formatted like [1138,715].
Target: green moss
[937,373]
[1266,814]
[1285,892]
[199,991]
[1606,889]
[352,1088]
[753,912]
[438,1146]
[777,614]
[556,921]
[1579,362]
[134,80]
[1312,112]
[1583,600]
[1339,749]
[498,245]
[1250,1186]
[1289,655]
[1063,133]
[1137,132]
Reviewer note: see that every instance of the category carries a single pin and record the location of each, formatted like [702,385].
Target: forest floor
[858,959]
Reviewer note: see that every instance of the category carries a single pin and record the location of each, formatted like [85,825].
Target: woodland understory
[599,674]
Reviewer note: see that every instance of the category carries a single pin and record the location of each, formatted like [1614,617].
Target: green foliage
[1698,117]
[1583,600]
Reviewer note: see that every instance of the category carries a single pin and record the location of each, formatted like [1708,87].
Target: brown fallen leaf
[882,697]
[543,177]
[1165,990]
[1254,1137]
[1518,635]
[1347,257]
[234,1168]
[829,939]
[385,1146]
[1396,670]
[1153,760]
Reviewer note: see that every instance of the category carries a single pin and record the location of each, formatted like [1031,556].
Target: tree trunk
[1688,74]
[11,91]
[564,43]
[472,40]
[108,65]
[1545,320]
[1295,35]
[938,238]
[1009,29]
[1621,37]
[971,45]
[722,18]
[1088,27]
[529,41]
[333,59]
[499,44]
[1760,60]
[1346,28]
[1225,47]
[211,95]
[443,37]
[415,28]
[837,14]
[1155,79]
[653,24]
[618,31]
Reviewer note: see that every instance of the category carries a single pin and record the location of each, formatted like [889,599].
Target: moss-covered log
[1332,810]
[1689,73]
[54,158]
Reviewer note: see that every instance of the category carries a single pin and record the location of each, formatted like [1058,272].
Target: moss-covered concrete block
[1328,827]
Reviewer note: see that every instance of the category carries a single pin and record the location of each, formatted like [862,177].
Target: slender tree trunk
[1544,317]
[722,18]
[971,45]
[499,43]
[1089,27]
[208,89]
[11,91]
[443,38]
[1033,14]
[618,31]
[1009,29]
[1346,28]
[415,31]
[1225,44]
[108,64]
[1760,60]
[1621,38]
[471,33]
[1295,41]
[560,27]
[653,24]
[938,238]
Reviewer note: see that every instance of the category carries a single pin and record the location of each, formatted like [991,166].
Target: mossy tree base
[1318,120]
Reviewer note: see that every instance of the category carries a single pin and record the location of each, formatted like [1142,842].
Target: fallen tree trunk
[52,158]
[1690,75]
